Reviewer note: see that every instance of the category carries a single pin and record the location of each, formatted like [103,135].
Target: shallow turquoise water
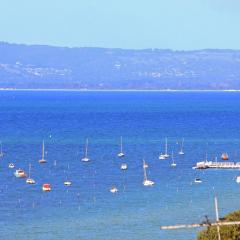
[209,122]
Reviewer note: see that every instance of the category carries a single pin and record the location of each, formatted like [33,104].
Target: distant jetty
[218,165]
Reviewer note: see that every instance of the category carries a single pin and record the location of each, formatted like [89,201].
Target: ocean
[209,122]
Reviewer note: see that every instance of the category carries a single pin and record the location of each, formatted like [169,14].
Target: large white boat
[43,160]
[220,165]
[19,173]
[146,181]
[121,153]
[86,158]
[238,179]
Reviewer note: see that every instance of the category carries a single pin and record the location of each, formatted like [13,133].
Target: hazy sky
[175,24]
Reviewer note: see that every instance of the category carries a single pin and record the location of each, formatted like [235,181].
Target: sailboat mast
[29,171]
[166,146]
[121,148]
[144,170]
[43,150]
[86,150]
[182,145]
[1,150]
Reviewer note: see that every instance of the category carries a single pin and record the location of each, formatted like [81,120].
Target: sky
[131,24]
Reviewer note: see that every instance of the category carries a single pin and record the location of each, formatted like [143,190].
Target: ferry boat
[219,165]
[19,173]
[46,187]
[224,156]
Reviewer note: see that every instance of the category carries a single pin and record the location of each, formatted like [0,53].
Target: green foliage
[227,232]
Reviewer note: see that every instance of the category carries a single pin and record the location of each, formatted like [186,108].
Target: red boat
[46,187]
[224,156]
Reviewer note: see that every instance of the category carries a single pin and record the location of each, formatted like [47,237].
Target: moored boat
[113,189]
[46,187]
[224,156]
[19,173]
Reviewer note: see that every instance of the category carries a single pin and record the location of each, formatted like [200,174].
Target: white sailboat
[162,156]
[121,154]
[1,152]
[85,158]
[29,179]
[67,182]
[146,181]
[113,189]
[173,164]
[11,165]
[166,155]
[181,152]
[43,160]
[124,166]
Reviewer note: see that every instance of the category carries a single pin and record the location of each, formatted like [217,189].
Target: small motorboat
[67,183]
[46,187]
[113,190]
[148,182]
[198,180]
[124,166]
[238,179]
[11,165]
[30,181]
[19,173]
[224,156]
[162,157]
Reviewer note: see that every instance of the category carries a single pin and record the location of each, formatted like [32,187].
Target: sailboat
[121,154]
[43,160]
[124,166]
[146,181]
[113,189]
[67,182]
[173,164]
[1,152]
[85,158]
[181,149]
[29,179]
[166,155]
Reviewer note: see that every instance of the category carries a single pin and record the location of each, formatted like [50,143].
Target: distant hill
[37,66]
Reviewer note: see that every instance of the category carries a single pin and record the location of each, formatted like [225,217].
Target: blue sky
[174,24]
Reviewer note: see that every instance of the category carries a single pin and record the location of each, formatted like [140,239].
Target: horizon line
[136,49]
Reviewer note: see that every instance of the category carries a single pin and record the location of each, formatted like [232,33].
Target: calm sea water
[209,122]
